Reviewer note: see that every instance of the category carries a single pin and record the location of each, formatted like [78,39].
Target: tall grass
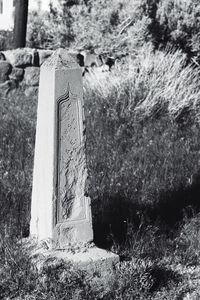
[16,153]
[143,139]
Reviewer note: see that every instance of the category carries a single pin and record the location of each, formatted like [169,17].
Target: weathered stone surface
[91,259]
[17,74]
[61,212]
[99,264]
[31,76]
[43,55]
[76,231]
[19,57]
[88,259]
[5,70]
[60,209]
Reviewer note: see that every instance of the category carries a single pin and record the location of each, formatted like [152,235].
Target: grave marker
[60,210]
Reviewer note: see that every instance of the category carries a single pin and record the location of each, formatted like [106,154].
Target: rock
[17,74]
[31,91]
[5,70]
[4,86]
[31,76]
[19,57]
[2,56]
[9,86]
[44,54]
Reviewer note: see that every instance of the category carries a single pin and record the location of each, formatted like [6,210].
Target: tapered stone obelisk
[60,210]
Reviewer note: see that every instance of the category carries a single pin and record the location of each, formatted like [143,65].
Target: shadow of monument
[111,224]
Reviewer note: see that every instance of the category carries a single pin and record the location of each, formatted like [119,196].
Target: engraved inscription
[68,147]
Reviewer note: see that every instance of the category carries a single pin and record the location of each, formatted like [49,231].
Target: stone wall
[21,67]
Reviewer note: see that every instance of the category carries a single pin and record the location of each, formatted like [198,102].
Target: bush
[179,21]
[105,25]
[118,26]
[51,29]
[39,32]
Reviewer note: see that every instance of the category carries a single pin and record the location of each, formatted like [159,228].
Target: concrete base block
[87,259]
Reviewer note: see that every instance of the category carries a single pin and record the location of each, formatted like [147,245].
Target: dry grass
[143,139]
[156,82]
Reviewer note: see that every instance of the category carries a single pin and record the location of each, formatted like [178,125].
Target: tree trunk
[20,24]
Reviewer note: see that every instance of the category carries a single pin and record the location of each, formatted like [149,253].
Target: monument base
[91,259]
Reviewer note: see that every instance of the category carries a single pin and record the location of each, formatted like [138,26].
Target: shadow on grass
[167,214]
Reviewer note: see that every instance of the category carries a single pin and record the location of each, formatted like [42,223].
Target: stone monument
[60,210]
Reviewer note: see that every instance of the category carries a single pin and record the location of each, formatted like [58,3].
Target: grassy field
[143,141]
[143,146]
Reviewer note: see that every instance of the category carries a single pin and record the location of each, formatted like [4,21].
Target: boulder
[5,70]
[31,76]
[17,74]
[19,57]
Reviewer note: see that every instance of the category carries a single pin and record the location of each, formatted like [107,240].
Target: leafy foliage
[117,26]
